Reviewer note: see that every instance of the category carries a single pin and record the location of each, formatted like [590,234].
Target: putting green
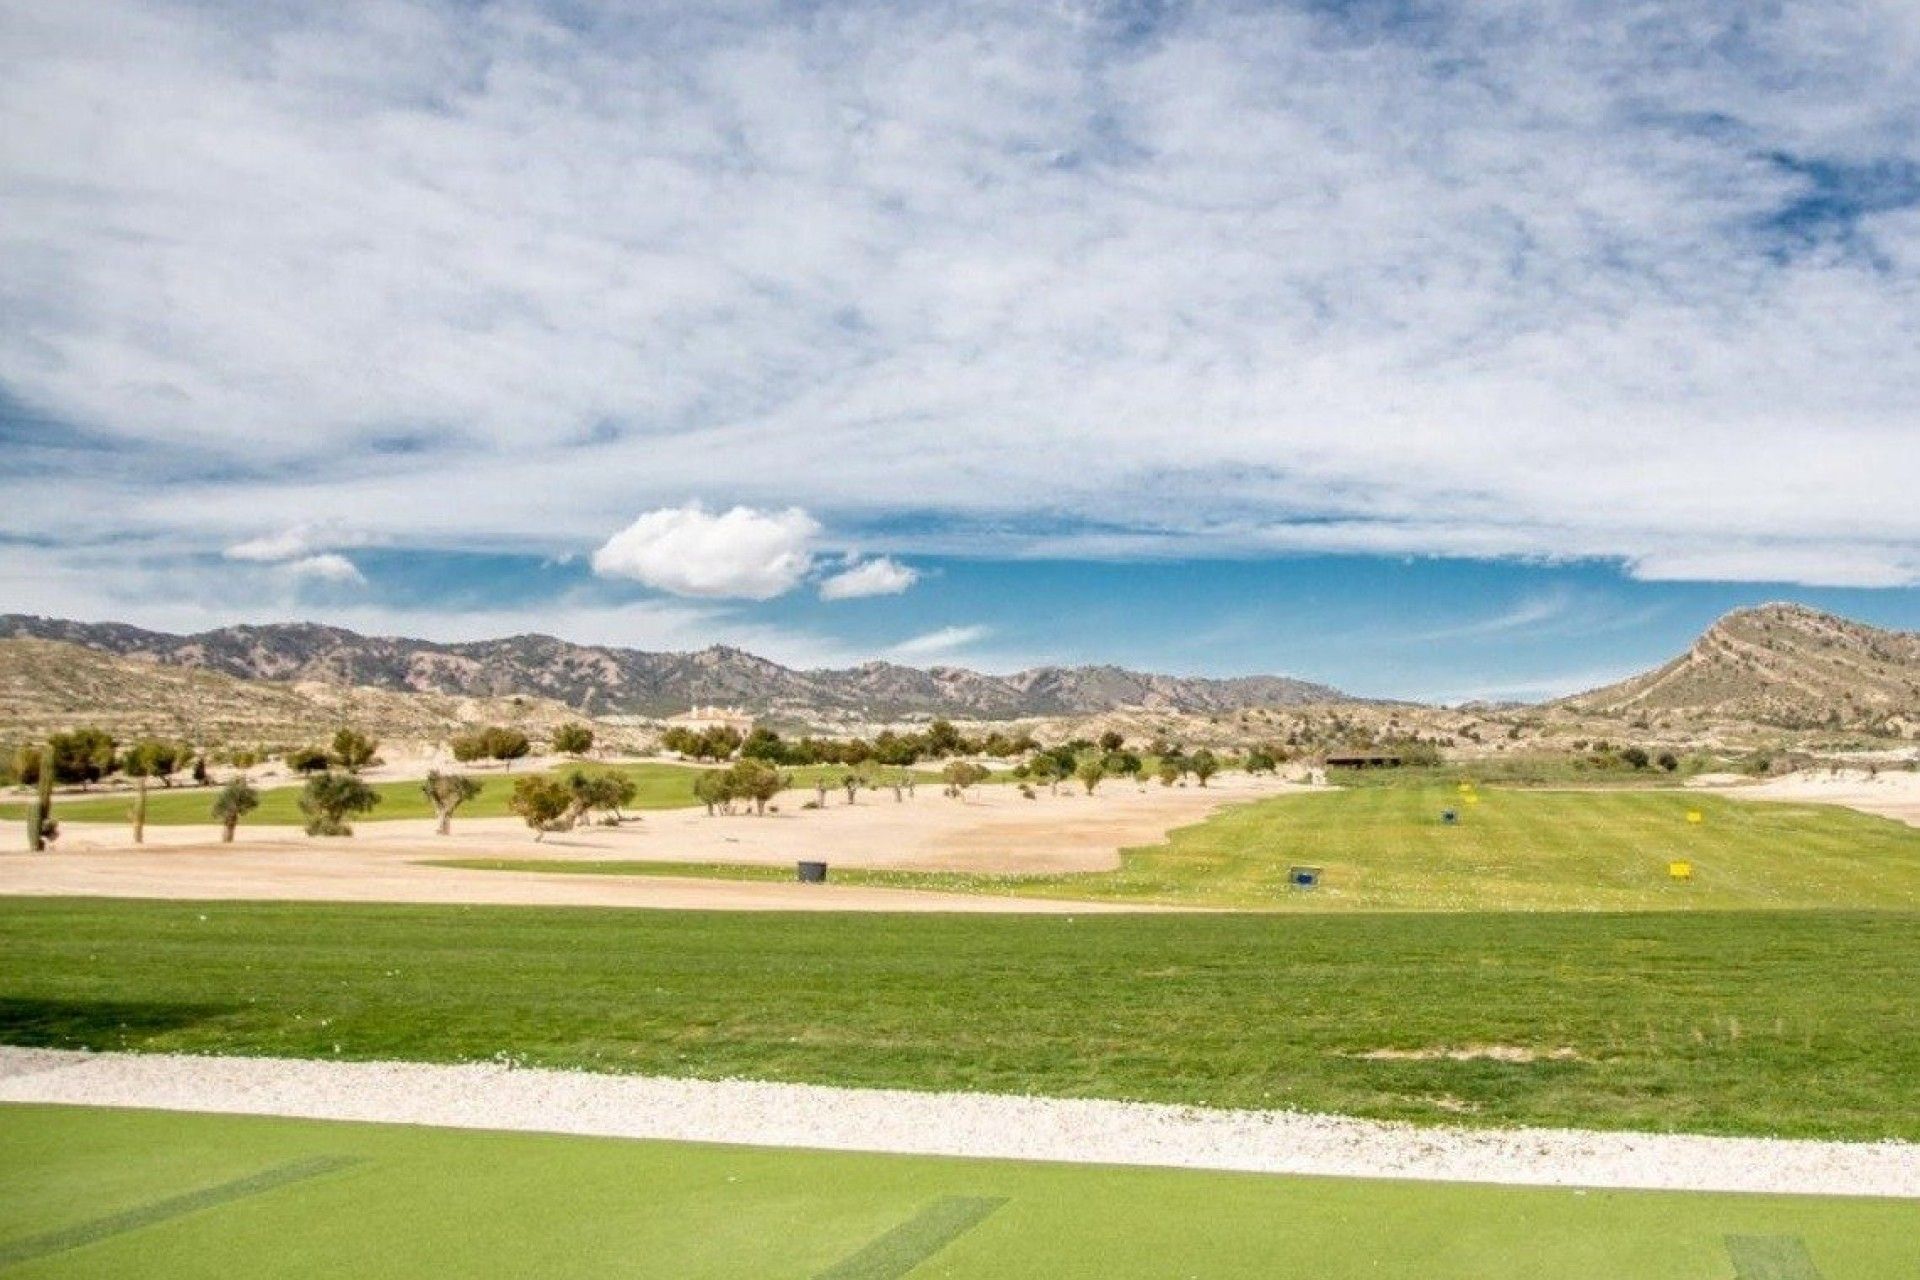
[141,1194]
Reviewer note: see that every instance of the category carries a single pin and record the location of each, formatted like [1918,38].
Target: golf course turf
[1789,1023]
[1386,848]
[98,1193]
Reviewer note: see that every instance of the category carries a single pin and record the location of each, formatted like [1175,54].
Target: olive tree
[231,803]
[539,801]
[330,798]
[447,792]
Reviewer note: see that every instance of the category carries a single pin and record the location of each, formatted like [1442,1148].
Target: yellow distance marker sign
[1695,816]
[1680,870]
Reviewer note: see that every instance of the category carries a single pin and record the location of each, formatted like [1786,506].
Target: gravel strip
[493,1096]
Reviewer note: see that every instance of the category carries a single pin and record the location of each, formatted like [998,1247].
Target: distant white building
[700,719]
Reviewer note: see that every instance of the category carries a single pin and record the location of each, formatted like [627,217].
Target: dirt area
[995,830]
[1889,794]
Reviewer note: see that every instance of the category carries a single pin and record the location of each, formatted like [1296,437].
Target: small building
[700,719]
[1363,762]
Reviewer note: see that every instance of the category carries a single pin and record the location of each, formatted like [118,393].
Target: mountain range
[1777,666]
[603,680]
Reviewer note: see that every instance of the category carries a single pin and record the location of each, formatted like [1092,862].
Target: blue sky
[1435,350]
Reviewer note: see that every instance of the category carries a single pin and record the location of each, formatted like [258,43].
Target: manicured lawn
[1386,849]
[1802,1023]
[661,786]
[113,1194]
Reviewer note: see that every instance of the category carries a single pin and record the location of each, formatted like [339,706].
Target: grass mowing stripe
[18,1251]
[915,1240]
[1771,1258]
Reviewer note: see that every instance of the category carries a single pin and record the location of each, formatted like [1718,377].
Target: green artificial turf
[1387,849]
[661,786]
[1801,1023]
[107,1194]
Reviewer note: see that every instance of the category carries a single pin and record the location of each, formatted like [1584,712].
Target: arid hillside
[1783,665]
[46,686]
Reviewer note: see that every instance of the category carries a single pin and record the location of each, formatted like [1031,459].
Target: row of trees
[938,741]
[82,757]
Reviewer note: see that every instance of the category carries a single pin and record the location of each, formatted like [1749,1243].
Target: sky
[1440,350]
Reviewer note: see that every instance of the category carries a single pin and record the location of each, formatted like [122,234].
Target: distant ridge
[1784,665]
[601,680]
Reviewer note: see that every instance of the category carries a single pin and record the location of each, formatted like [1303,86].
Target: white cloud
[742,553]
[880,576]
[1498,282]
[936,643]
[294,543]
[325,567]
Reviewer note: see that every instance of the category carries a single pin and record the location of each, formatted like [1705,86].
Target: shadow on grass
[95,1024]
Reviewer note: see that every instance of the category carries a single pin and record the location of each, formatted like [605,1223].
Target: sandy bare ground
[494,1096]
[1889,794]
[993,831]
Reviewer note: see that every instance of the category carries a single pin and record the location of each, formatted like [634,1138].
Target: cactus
[41,811]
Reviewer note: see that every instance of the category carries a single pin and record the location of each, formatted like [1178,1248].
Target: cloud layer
[1573,279]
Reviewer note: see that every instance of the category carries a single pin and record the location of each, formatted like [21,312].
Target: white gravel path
[489,1096]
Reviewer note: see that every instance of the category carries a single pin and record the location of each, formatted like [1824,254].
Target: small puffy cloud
[300,541]
[326,567]
[689,551]
[881,576]
[272,548]
[945,640]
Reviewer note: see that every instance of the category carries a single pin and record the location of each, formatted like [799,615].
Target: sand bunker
[994,831]
[1888,793]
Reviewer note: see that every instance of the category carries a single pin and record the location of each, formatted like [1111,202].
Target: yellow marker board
[1472,799]
[1680,870]
[1694,815]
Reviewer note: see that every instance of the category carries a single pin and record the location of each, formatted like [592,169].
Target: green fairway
[661,786]
[1798,1023]
[1387,849]
[142,1194]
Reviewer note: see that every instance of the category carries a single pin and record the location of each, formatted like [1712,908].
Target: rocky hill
[601,680]
[1784,665]
[49,685]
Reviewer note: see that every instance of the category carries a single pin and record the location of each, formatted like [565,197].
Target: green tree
[1636,757]
[505,745]
[1044,768]
[1260,760]
[1168,772]
[758,781]
[468,747]
[1204,765]
[713,788]
[307,759]
[573,739]
[1668,761]
[1090,772]
[961,775]
[80,757]
[231,803]
[1111,741]
[447,792]
[353,750]
[942,739]
[330,798]
[539,801]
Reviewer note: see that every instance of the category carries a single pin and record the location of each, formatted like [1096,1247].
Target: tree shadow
[95,1024]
